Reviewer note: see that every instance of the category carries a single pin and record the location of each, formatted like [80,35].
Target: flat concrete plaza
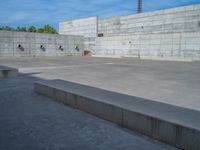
[176,83]
[32,121]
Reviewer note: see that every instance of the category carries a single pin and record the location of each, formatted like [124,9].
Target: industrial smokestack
[139,6]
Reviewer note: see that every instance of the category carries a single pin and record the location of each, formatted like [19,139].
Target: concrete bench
[174,125]
[6,72]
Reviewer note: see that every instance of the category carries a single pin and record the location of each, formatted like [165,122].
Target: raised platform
[171,124]
[6,72]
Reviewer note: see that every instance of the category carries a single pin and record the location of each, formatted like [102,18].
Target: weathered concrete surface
[177,46]
[6,72]
[175,83]
[174,20]
[87,27]
[142,115]
[178,19]
[33,122]
[29,44]
[165,34]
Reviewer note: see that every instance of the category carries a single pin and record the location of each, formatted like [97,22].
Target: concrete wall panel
[171,32]
[181,19]
[86,27]
[180,45]
[29,44]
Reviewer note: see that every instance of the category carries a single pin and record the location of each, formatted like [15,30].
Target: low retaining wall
[171,124]
[36,44]
[6,72]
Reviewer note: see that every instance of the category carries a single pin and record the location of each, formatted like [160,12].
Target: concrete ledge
[174,125]
[6,72]
[167,58]
[107,56]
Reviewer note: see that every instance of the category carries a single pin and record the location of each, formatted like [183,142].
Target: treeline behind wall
[44,29]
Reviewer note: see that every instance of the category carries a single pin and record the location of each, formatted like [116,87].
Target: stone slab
[6,72]
[174,125]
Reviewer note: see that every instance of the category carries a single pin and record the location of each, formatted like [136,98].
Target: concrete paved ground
[176,83]
[29,121]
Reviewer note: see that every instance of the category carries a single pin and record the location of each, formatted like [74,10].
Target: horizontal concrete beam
[174,125]
[6,72]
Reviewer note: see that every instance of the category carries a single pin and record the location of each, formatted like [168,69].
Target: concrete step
[6,72]
[174,125]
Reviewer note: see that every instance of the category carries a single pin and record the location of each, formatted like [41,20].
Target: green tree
[22,29]
[40,30]
[45,29]
[48,29]
[6,28]
[32,29]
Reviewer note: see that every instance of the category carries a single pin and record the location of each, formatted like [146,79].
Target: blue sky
[39,12]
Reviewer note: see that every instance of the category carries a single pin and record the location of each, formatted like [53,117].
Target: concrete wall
[31,44]
[86,27]
[164,33]
[180,19]
[173,45]
[170,33]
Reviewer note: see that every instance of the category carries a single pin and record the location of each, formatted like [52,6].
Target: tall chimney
[139,6]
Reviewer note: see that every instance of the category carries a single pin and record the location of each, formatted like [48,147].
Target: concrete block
[60,95]
[171,124]
[71,99]
[44,89]
[6,72]
[100,109]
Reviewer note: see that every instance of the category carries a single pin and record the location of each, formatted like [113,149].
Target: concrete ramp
[174,125]
[6,72]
